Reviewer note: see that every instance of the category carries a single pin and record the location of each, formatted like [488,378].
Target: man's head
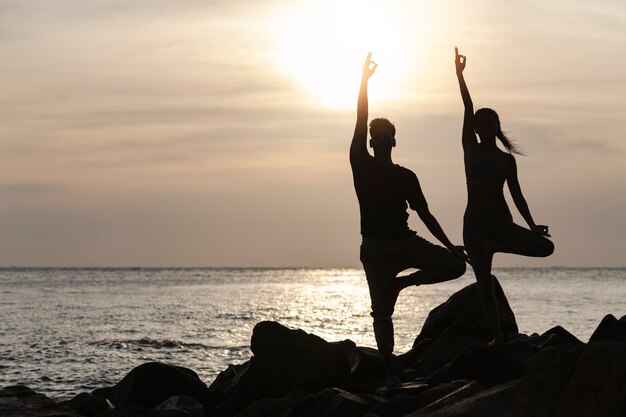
[383,134]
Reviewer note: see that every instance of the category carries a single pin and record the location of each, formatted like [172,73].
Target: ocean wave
[146,342]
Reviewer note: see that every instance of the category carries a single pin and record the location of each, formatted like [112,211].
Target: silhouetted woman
[487,224]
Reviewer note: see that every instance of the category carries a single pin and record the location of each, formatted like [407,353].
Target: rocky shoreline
[451,370]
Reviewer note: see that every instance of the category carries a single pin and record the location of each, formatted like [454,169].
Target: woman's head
[487,126]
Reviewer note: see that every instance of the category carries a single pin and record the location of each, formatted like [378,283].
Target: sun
[322,47]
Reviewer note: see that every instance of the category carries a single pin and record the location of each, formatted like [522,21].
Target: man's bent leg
[435,263]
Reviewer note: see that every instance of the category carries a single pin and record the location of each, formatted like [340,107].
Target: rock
[133,410]
[448,395]
[458,323]
[185,403]
[492,402]
[557,336]
[151,383]
[330,402]
[610,329]
[402,404]
[489,365]
[224,387]
[368,372]
[21,401]
[274,407]
[286,359]
[366,365]
[87,404]
[575,380]
[407,388]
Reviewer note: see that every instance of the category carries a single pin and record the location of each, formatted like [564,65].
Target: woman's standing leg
[481,263]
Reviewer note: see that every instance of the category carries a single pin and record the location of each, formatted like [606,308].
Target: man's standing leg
[380,276]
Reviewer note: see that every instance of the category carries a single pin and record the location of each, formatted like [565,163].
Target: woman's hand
[459,61]
[369,67]
[540,229]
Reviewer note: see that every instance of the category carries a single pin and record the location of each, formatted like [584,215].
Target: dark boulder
[404,403]
[491,402]
[575,380]
[610,329]
[368,371]
[87,404]
[21,401]
[458,323]
[225,386]
[149,384]
[366,365]
[489,365]
[185,403]
[330,402]
[274,407]
[407,388]
[556,336]
[285,360]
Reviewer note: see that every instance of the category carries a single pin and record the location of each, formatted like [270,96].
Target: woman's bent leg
[512,238]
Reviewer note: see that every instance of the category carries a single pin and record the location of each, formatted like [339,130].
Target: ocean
[66,331]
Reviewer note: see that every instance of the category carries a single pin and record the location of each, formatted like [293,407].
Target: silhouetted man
[389,246]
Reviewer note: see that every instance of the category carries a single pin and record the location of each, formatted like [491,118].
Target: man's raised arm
[359,140]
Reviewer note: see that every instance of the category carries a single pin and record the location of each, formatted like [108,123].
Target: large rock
[575,380]
[467,390]
[458,323]
[225,386]
[492,365]
[150,384]
[88,404]
[21,401]
[492,402]
[366,366]
[330,402]
[610,329]
[404,403]
[185,403]
[286,360]
[368,371]
[489,365]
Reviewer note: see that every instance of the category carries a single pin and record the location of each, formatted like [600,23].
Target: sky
[215,133]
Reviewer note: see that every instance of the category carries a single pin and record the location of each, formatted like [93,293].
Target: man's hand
[460,252]
[459,61]
[369,67]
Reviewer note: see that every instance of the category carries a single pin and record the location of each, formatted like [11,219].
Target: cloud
[127,123]
[13,190]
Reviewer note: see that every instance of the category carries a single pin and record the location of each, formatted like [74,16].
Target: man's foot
[393,380]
